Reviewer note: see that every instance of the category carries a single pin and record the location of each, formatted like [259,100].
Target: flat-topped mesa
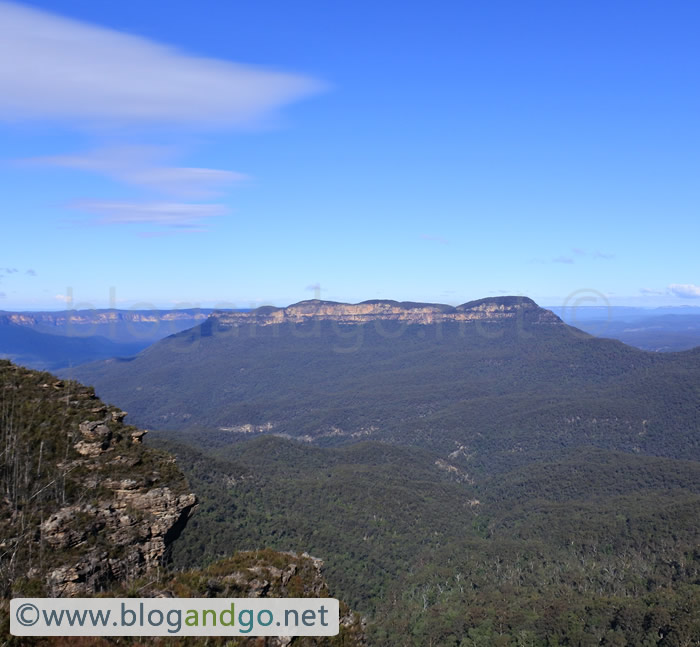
[493,309]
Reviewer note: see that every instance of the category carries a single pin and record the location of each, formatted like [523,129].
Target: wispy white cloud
[563,259]
[685,290]
[187,217]
[53,67]
[30,272]
[194,182]
[650,291]
[143,166]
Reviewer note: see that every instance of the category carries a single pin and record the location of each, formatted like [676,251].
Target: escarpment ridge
[493,309]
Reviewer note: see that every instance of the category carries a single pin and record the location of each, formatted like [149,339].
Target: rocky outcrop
[263,574]
[135,529]
[89,506]
[132,522]
[495,309]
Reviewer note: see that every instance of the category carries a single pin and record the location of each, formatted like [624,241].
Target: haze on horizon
[245,154]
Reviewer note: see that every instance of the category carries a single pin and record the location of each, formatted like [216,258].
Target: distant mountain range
[44,351]
[659,329]
[113,324]
[496,380]
[78,337]
[55,340]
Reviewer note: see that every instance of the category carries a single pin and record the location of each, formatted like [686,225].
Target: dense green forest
[582,547]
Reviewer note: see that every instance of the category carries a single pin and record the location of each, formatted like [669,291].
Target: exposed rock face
[261,574]
[135,528]
[89,507]
[134,521]
[489,309]
[484,310]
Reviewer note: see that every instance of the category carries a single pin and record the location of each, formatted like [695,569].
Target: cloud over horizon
[59,68]
[685,290]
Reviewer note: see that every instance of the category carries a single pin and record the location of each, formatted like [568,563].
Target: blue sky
[222,153]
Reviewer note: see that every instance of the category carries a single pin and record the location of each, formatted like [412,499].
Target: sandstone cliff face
[86,505]
[135,528]
[485,310]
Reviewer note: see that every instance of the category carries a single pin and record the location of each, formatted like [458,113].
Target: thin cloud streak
[143,166]
[53,67]
[187,217]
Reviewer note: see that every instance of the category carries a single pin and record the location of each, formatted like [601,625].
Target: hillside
[87,509]
[497,381]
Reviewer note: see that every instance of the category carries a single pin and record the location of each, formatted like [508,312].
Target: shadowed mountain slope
[494,381]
